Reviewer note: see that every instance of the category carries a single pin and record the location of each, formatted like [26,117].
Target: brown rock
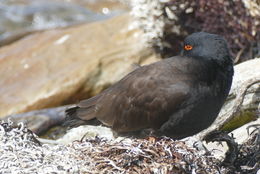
[46,69]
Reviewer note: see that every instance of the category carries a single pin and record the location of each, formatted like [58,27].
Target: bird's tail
[83,113]
[72,119]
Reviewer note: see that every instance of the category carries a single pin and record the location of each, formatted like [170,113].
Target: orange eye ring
[188,47]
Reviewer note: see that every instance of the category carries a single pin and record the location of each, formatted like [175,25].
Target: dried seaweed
[144,156]
[20,152]
[240,158]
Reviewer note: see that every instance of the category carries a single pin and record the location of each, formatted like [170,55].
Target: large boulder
[46,69]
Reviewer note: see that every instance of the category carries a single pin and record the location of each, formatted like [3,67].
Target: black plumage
[176,97]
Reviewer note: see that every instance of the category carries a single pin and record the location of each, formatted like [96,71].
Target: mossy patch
[239,120]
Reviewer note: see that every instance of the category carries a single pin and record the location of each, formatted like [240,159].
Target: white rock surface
[86,130]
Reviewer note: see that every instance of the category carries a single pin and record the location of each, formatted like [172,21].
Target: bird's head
[207,46]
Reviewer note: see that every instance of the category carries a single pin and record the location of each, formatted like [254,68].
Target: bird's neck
[215,71]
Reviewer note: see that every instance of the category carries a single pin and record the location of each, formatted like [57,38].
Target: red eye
[188,47]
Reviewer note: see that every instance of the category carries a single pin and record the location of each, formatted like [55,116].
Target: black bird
[176,97]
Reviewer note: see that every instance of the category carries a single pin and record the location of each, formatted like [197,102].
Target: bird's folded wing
[144,98]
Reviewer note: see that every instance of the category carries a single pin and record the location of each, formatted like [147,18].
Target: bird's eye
[188,47]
